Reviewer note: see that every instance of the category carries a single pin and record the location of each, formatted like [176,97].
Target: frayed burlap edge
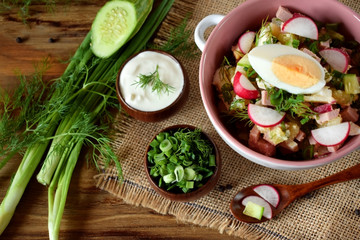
[137,195]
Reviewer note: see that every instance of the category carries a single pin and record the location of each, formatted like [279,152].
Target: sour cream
[145,63]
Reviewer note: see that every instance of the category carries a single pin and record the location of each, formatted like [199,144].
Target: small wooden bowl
[162,114]
[193,195]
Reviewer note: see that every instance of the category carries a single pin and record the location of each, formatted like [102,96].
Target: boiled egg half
[287,68]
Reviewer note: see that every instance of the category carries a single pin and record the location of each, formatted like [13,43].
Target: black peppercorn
[52,40]
[357,212]
[19,40]
[221,188]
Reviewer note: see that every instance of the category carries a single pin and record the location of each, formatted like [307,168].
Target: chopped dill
[284,101]
[243,116]
[154,79]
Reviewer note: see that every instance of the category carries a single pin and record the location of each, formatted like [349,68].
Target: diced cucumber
[253,210]
[351,84]
[244,61]
[116,23]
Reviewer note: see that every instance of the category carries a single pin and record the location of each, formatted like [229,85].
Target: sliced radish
[269,193]
[302,26]
[331,135]
[245,41]
[259,201]
[243,87]
[337,58]
[264,116]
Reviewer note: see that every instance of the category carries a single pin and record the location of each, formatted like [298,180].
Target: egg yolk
[296,71]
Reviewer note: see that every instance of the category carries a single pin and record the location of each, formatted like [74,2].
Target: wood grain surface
[89,212]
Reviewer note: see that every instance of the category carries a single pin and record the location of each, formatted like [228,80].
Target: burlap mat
[327,213]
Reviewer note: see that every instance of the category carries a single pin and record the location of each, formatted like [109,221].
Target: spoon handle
[345,175]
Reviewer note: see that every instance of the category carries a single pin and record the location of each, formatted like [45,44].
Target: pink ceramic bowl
[249,15]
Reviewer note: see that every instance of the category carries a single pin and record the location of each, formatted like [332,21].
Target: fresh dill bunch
[20,112]
[284,101]
[178,43]
[153,79]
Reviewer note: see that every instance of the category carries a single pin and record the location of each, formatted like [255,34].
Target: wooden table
[89,213]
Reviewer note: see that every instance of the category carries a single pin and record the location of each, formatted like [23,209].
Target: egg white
[261,58]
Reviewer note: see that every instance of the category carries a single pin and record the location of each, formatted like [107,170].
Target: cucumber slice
[253,210]
[115,23]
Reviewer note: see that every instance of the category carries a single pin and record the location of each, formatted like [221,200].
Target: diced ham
[254,133]
[265,98]
[350,114]
[307,51]
[283,14]
[260,145]
[321,151]
[327,116]
[354,129]
[290,145]
[312,140]
[325,44]
[334,148]
[300,136]
[323,108]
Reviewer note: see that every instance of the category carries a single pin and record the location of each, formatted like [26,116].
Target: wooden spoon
[288,193]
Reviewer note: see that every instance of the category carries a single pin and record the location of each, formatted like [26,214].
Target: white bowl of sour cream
[152,85]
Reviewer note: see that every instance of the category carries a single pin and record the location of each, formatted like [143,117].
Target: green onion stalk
[34,153]
[72,121]
[95,102]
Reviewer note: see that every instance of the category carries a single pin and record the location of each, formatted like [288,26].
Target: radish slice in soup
[331,135]
[264,116]
[245,41]
[302,26]
[243,87]
[336,58]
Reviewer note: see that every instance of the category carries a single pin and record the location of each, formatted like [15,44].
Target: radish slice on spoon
[245,41]
[302,26]
[336,58]
[269,193]
[264,116]
[258,200]
[243,87]
[331,135]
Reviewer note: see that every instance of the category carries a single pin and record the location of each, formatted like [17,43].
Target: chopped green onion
[173,159]
[169,178]
[160,137]
[160,159]
[154,143]
[189,184]
[165,145]
[190,173]
[185,156]
[212,160]
[179,173]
